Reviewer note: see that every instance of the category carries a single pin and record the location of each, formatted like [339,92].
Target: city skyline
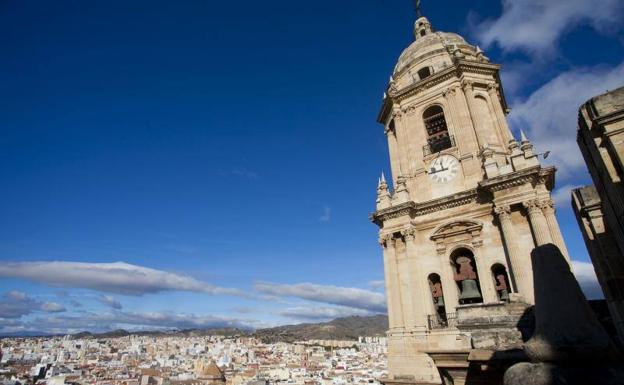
[190,165]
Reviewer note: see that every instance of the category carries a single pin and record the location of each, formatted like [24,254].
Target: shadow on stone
[569,346]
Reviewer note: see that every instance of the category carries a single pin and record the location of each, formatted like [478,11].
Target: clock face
[443,169]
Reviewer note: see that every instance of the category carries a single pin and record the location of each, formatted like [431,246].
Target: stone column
[395,164]
[405,285]
[418,287]
[449,287]
[548,207]
[521,274]
[539,225]
[505,134]
[467,86]
[395,303]
[402,141]
[488,291]
[389,256]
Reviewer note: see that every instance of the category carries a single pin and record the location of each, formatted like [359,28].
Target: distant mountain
[347,328]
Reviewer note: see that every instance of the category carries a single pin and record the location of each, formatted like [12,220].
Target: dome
[430,48]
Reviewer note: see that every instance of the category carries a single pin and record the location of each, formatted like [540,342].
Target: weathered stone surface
[526,373]
[565,326]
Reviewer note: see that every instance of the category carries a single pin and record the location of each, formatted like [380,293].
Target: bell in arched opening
[466,277]
[501,281]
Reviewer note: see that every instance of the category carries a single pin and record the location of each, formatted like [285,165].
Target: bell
[504,295]
[470,291]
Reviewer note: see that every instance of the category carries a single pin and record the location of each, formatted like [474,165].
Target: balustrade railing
[441,321]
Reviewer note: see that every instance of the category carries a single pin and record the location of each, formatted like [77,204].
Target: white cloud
[118,277]
[326,215]
[15,304]
[321,313]
[549,115]
[586,277]
[101,322]
[379,284]
[110,301]
[562,195]
[335,295]
[535,26]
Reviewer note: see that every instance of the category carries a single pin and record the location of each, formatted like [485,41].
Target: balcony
[442,321]
[438,144]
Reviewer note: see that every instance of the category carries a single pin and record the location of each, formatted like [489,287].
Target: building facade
[599,209]
[469,203]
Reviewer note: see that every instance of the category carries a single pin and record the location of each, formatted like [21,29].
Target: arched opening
[438,137]
[466,276]
[424,73]
[437,295]
[501,282]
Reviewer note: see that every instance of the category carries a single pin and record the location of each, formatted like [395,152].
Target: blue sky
[190,164]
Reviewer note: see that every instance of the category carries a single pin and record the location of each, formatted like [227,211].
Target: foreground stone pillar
[540,228]
[569,345]
[521,276]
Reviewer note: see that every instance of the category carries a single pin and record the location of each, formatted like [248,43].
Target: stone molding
[417,209]
[535,175]
[396,95]
[459,231]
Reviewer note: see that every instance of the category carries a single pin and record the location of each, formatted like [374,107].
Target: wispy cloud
[335,295]
[321,313]
[110,302]
[535,26]
[100,322]
[326,215]
[549,115]
[15,304]
[562,195]
[118,277]
[378,284]
[586,277]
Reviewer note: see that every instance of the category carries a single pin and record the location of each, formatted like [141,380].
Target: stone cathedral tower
[469,204]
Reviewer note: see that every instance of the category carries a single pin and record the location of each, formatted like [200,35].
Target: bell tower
[468,205]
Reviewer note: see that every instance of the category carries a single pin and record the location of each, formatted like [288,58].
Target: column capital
[467,85]
[385,240]
[492,87]
[409,233]
[449,92]
[548,205]
[397,113]
[503,211]
[533,206]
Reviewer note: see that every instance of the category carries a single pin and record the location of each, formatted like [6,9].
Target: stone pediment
[465,231]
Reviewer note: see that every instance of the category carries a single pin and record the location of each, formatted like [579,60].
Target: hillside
[347,328]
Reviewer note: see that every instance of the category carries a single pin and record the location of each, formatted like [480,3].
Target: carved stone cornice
[413,209]
[505,181]
[392,212]
[395,95]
